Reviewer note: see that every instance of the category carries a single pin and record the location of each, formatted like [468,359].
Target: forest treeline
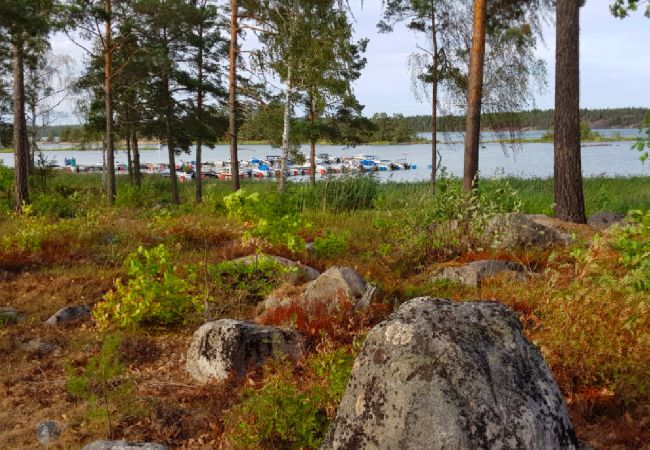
[398,128]
[536,119]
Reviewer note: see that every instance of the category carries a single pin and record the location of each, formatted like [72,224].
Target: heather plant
[156,293]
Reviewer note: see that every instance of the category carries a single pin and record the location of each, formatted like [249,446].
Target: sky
[614,58]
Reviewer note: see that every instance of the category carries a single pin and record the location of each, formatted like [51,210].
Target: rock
[48,432]
[521,230]
[69,314]
[334,285]
[231,346]
[5,275]
[9,314]
[123,445]
[304,273]
[441,374]
[39,348]
[603,220]
[473,273]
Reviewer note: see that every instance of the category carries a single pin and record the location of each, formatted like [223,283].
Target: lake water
[522,160]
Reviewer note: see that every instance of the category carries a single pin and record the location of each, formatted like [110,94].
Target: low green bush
[286,413]
[255,280]
[330,246]
[156,293]
[267,216]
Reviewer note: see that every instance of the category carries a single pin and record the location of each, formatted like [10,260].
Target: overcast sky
[615,61]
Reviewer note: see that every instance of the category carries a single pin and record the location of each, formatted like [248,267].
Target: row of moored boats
[258,167]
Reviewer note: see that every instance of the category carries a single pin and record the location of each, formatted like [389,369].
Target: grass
[580,308]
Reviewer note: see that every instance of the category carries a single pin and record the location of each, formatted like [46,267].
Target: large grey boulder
[473,273]
[445,375]
[334,285]
[603,220]
[69,314]
[123,445]
[524,230]
[226,347]
[301,274]
[48,432]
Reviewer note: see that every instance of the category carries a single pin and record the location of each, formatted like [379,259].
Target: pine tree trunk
[434,101]
[21,146]
[569,197]
[232,100]
[170,140]
[474,93]
[198,181]
[108,98]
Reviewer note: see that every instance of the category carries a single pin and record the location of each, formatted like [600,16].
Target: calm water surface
[523,160]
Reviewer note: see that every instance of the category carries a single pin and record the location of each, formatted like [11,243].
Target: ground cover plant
[157,271]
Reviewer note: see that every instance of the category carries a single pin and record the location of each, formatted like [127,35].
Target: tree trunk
[434,100]
[21,146]
[108,98]
[284,156]
[198,186]
[170,140]
[129,160]
[33,135]
[474,93]
[567,173]
[137,175]
[312,142]
[232,100]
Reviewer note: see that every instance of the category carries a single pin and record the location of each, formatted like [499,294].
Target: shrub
[255,280]
[430,226]
[155,294]
[103,385]
[633,243]
[330,245]
[595,331]
[267,216]
[54,205]
[285,413]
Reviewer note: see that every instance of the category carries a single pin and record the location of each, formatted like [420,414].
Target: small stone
[69,314]
[226,347]
[604,219]
[124,445]
[334,285]
[38,347]
[521,230]
[472,274]
[48,432]
[302,274]
[9,314]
